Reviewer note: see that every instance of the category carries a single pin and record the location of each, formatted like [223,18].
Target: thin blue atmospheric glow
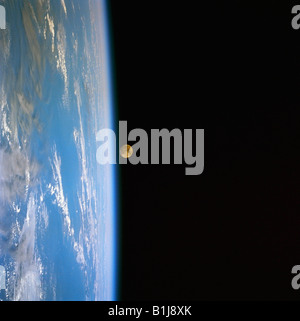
[113,168]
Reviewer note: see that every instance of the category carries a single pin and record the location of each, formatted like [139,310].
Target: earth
[57,205]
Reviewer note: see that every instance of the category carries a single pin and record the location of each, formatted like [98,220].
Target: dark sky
[234,70]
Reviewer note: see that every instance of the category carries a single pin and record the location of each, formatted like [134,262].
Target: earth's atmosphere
[57,212]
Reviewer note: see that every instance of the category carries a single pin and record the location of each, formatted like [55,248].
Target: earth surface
[57,212]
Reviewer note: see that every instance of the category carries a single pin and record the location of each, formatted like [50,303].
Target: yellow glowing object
[126,151]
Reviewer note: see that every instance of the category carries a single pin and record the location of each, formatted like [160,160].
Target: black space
[234,70]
